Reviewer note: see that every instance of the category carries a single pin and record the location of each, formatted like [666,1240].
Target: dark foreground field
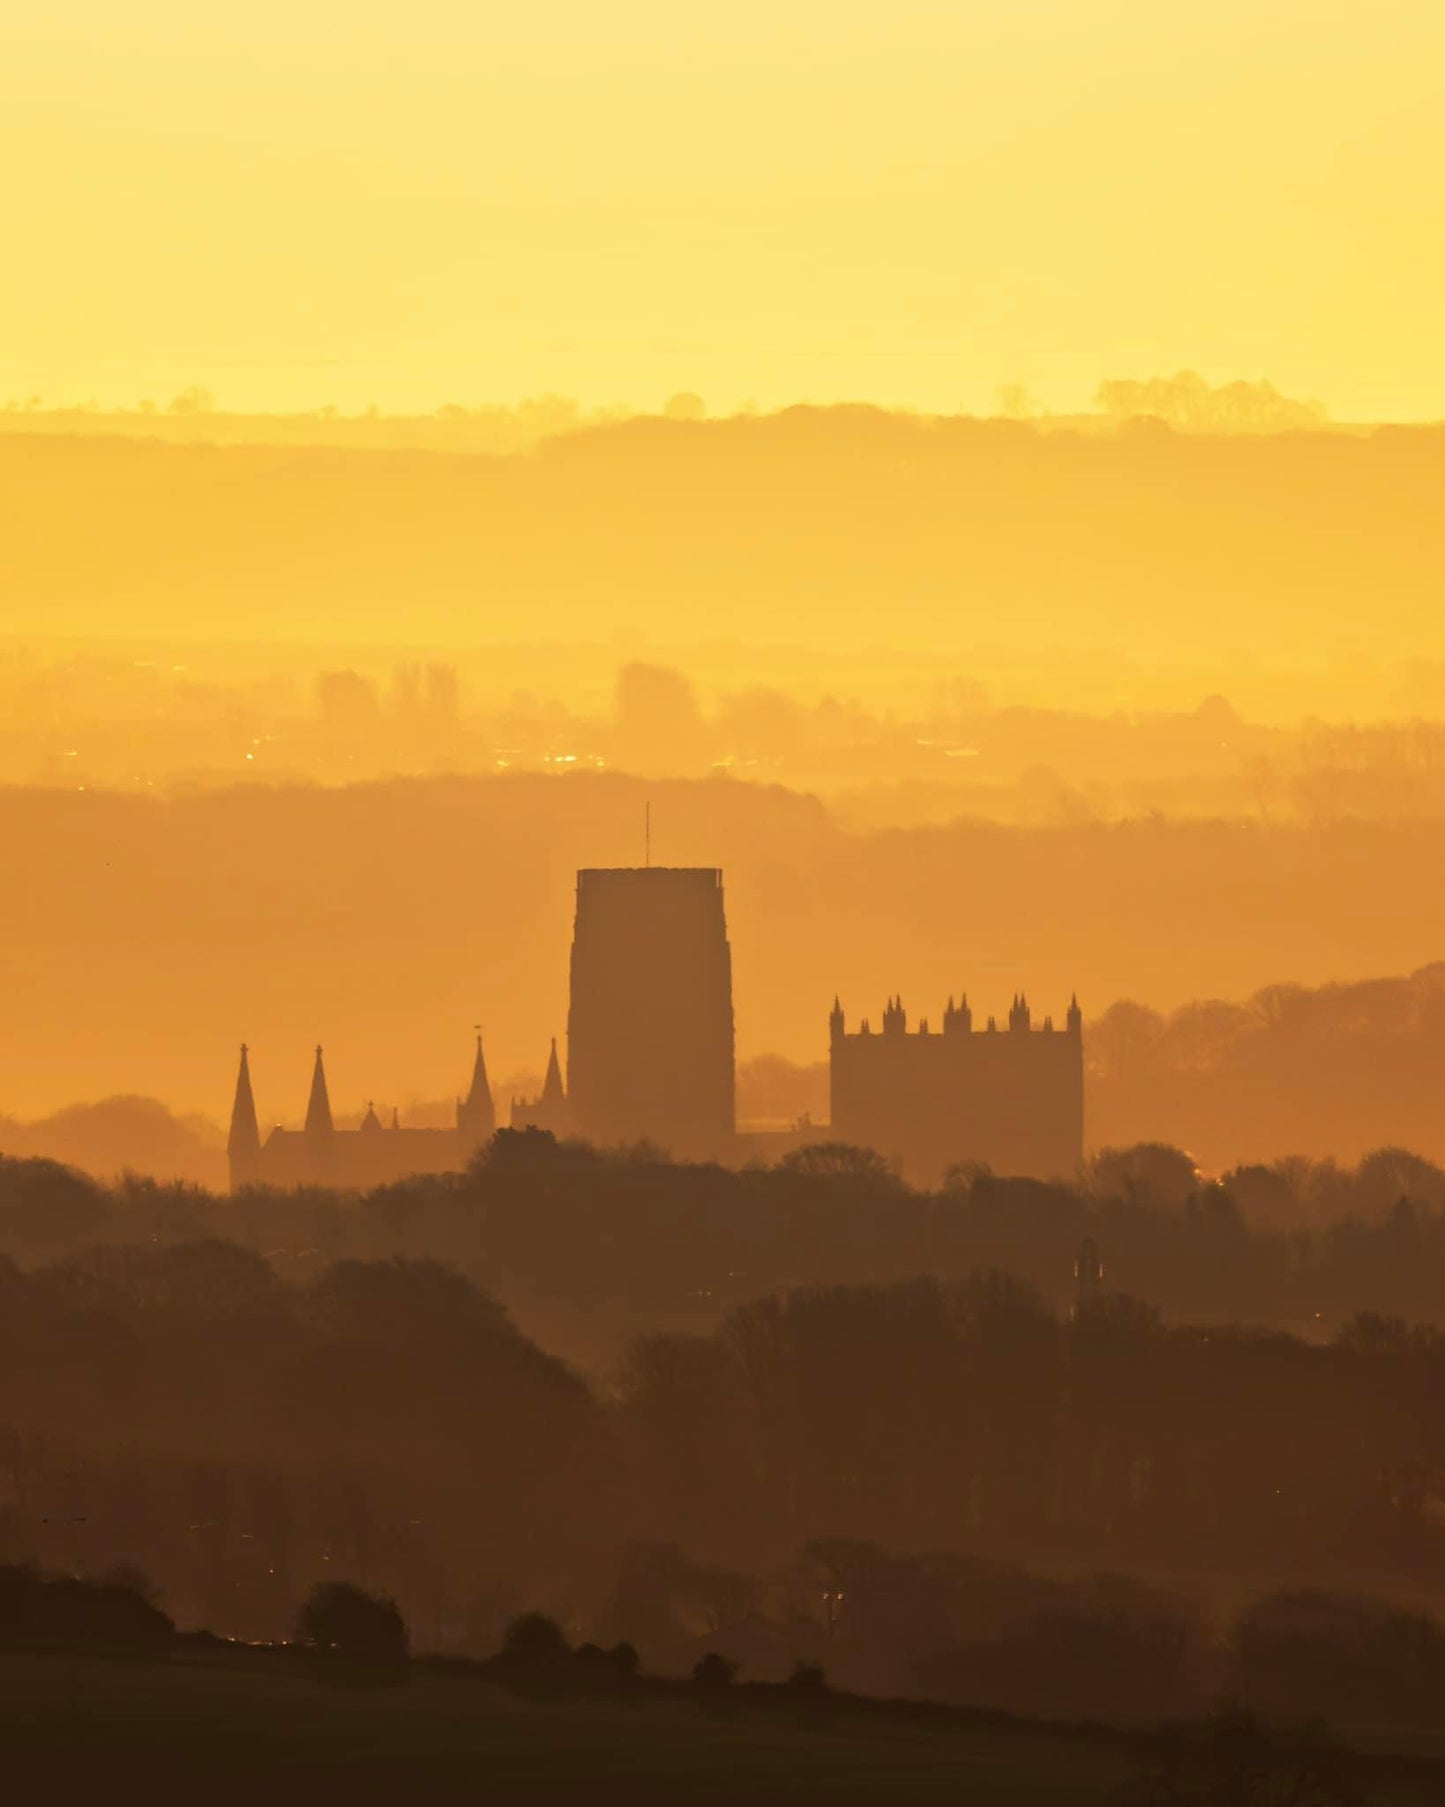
[261,1727]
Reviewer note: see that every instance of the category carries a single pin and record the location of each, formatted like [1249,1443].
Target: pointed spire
[552,1092]
[481,1091]
[371,1121]
[318,1108]
[243,1145]
[476,1114]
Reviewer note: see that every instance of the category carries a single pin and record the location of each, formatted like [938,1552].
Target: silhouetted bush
[809,1695]
[605,1670]
[713,1679]
[64,1610]
[1108,1648]
[1307,1653]
[534,1653]
[342,1620]
[1231,1761]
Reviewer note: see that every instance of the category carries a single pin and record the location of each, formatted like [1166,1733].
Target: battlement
[1009,1096]
[650,880]
[957,1020]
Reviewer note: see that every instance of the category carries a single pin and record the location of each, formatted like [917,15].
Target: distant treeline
[194,416]
[1303,1068]
[857,1371]
[598,1245]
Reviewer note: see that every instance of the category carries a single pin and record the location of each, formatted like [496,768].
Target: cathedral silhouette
[650,1059]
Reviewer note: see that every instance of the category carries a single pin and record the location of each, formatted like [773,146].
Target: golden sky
[295,202]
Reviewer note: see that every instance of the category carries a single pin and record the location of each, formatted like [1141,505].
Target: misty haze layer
[849,525]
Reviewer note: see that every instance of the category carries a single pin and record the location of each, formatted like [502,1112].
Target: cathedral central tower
[650,1024]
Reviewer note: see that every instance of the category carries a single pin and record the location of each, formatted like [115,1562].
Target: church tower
[650,1021]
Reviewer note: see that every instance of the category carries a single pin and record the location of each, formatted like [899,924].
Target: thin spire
[476,1114]
[480,1091]
[318,1109]
[243,1145]
[552,1092]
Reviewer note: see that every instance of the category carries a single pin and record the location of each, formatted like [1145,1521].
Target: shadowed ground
[228,1728]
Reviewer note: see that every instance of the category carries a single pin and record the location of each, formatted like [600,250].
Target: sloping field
[258,1729]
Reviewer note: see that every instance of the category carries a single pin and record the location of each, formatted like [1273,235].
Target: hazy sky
[301,201]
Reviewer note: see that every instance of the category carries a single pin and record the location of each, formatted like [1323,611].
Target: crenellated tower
[650,1014]
[1014,1102]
